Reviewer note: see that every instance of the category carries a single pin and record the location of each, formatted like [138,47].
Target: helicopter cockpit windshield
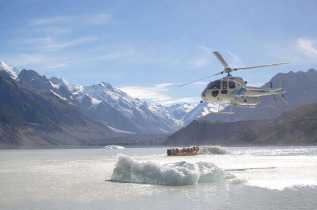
[214,85]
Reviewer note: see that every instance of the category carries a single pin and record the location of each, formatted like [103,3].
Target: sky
[148,48]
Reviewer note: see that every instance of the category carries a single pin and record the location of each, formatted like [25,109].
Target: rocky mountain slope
[31,117]
[13,72]
[296,127]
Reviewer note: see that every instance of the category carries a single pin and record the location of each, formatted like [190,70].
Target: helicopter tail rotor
[271,84]
[282,87]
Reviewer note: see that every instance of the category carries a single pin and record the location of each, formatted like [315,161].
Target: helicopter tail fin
[282,82]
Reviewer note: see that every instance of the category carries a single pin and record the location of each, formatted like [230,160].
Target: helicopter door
[224,87]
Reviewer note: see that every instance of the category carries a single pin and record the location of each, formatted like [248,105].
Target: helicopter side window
[232,85]
[224,84]
[214,85]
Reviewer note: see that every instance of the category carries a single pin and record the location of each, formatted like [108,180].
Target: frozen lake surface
[245,178]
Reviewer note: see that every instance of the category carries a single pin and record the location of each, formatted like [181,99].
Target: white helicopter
[233,90]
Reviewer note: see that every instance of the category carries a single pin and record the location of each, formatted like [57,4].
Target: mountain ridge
[32,118]
[13,72]
[296,127]
[115,108]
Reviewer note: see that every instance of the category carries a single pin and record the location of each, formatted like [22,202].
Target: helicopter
[233,90]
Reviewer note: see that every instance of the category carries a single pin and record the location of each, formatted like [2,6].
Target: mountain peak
[107,85]
[33,79]
[13,72]
[62,82]
[311,72]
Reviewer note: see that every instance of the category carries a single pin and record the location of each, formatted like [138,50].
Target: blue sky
[147,48]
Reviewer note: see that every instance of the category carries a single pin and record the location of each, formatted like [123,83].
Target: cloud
[301,51]
[127,54]
[56,66]
[98,19]
[235,60]
[307,47]
[199,61]
[44,61]
[53,30]
[130,54]
[48,21]
[49,44]
[89,19]
[115,55]
[157,94]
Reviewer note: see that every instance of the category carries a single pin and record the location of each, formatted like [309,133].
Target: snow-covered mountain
[186,113]
[120,111]
[61,82]
[131,114]
[179,111]
[13,72]
[202,110]
[146,117]
[112,106]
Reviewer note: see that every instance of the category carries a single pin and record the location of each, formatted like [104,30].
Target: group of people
[187,149]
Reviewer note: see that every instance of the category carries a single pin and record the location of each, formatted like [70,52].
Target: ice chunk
[128,169]
[113,147]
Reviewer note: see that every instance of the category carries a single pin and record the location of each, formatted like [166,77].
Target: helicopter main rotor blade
[220,58]
[199,79]
[254,67]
